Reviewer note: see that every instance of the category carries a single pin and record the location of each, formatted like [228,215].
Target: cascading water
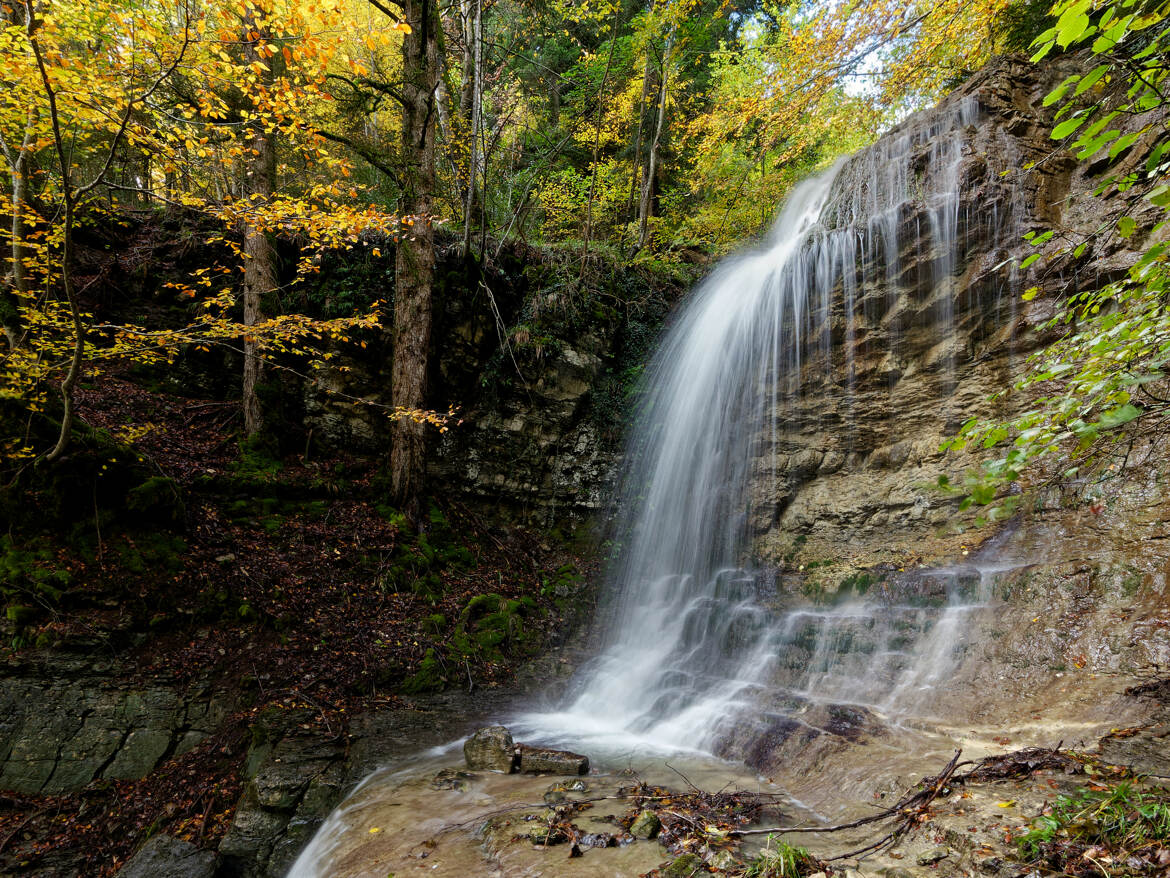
[699,649]
[691,640]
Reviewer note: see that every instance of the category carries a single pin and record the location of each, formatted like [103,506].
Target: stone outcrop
[539,380]
[171,857]
[68,720]
[294,781]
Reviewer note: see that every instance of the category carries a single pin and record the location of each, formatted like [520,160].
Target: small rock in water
[683,867]
[597,840]
[569,786]
[932,856]
[645,825]
[990,866]
[538,760]
[452,779]
[725,861]
[491,749]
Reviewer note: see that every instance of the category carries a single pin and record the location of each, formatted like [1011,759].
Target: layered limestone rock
[934,324]
[68,720]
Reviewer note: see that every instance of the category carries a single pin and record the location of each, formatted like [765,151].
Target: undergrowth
[782,860]
[1120,830]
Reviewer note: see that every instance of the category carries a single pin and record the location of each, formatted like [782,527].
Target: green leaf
[1126,226]
[983,494]
[1123,144]
[1028,261]
[1073,25]
[1119,416]
[1061,90]
[1091,79]
[1067,127]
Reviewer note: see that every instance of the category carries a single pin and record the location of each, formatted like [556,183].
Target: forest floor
[283,581]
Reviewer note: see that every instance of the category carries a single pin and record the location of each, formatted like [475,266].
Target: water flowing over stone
[695,636]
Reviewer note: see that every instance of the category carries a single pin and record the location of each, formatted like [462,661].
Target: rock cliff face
[931,335]
[539,375]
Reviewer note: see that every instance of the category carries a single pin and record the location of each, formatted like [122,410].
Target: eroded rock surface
[67,720]
[166,857]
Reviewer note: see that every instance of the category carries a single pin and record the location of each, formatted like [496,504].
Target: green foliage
[259,460]
[562,583]
[781,860]
[491,626]
[31,570]
[420,560]
[857,583]
[31,582]
[1120,821]
[431,675]
[1095,390]
[157,500]
[150,553]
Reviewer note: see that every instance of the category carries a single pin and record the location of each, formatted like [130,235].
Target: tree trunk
[470,204]
[415,257]
[259,257]
[259,277]
[646,204]
[636,177]
[9,307]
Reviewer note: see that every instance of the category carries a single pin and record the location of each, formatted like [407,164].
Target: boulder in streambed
[540,760]
[492,749]
[645,825]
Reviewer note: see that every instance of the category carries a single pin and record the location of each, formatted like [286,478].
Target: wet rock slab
[166,856]
[67,720]
[540,760]
[493,749]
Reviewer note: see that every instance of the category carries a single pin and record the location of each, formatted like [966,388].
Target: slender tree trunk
[636,176]
[259,277]
[9,308]
[260,280]
[646,204]
[69,202]
[415,259]
[471,104]
[597,142]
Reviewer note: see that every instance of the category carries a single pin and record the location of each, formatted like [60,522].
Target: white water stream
[692,642]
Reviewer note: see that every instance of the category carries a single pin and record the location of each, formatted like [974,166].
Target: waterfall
[705,649]
[691,639]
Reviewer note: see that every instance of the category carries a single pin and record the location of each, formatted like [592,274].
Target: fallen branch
[908,812]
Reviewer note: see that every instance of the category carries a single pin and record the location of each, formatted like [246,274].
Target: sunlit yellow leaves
[239,67]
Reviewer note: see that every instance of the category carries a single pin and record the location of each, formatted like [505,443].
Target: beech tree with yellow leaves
[221,101]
